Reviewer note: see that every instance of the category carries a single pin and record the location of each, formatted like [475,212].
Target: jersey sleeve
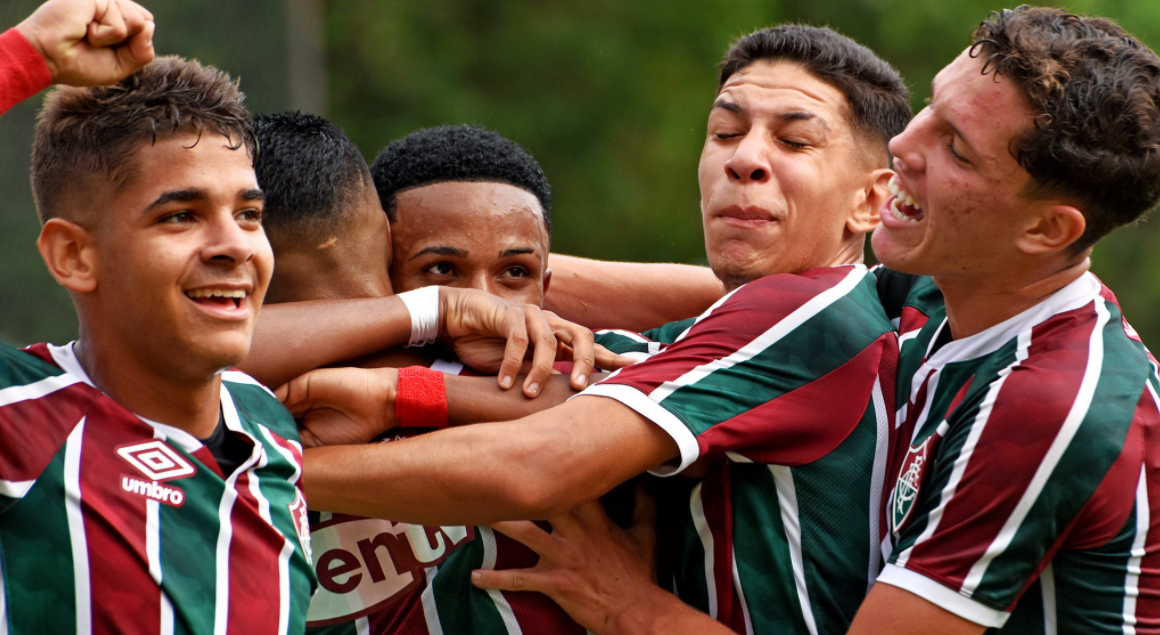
[1044,458]
[40,405]
[23,72]
[778,372]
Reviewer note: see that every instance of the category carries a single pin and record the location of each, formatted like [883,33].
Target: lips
[749,216]
[222,301]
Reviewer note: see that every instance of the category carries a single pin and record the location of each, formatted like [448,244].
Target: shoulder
[256,402]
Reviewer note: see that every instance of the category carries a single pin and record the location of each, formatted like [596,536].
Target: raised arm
[628,295]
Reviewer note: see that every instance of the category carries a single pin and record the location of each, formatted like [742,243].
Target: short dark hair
[457,153]
[85,136]
[312,173]
[879,100]
[1095,91]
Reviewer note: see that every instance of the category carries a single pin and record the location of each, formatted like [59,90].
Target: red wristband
[421,399]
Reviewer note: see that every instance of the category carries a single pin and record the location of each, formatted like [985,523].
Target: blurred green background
[611,96]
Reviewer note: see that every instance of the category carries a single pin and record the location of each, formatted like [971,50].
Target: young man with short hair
[792,173]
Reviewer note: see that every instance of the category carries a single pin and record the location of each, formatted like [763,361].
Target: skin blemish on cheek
[328,244]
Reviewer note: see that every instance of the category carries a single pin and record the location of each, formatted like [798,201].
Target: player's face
[487,236]
[183,261]
[780,173]
[955,161]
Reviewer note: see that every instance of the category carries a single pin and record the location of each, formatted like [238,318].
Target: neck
[299,278]
[974,305]
[191,404]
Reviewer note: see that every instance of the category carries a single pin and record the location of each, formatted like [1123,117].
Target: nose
[750,161]
[905,147]
[227,241]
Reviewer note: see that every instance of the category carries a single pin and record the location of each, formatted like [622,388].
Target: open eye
[251,215]
[183,216]
[516,272]
[440,269]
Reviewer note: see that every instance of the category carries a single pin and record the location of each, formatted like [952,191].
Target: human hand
[91,42]
[493,335]
[342,406]
[600,574]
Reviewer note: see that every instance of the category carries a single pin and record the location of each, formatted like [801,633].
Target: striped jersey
[111,523]
[379,576]
[1026,494]
[785,382]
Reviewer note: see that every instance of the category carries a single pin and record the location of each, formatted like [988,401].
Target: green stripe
[462,608]
[668,333]
[256,404]
[680,554]
[834,506]
[18,368]
[37,558]
[1089,585]
[188,549]
[762,552]
[618,343]
[821,344]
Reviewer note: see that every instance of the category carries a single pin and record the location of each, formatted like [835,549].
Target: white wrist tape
[423,305]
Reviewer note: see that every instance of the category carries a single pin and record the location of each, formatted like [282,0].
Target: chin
[219,353]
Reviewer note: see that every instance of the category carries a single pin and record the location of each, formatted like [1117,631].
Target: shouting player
[792,174]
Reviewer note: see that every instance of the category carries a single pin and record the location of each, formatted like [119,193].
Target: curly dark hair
[457,153]
[879,100]
[312,173]
[85,136]
[1095,90]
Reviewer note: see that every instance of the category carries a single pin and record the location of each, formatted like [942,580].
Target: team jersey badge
[910,478]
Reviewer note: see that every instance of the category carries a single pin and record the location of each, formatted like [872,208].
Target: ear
[864,217]
[1053,229]
[547,279]
[70,253]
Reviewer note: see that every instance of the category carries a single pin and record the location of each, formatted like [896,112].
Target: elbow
[539,495]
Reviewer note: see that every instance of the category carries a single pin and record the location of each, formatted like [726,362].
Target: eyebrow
[196,194]
[792,115]
[441,250]
[519,251]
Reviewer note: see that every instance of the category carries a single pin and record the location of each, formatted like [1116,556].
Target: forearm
[478,399]
[533,468]
[296,337]
[658,612]
[626,295]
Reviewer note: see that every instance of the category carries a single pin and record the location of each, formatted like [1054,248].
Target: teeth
[894,211]
[901,195]
[217,293]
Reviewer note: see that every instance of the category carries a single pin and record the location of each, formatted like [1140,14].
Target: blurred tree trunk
[306,55]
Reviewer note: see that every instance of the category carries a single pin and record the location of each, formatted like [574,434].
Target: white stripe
[787,500]
[907,336]
[877,480]
[225,535]
[1047,586]
[36,390]
[741,596]
[284,586]
[968,450]
[362,626]
[3,603]
[707,313]
[943,597]
[1063,438]
[501,603]
[430,610]
[1132,582]
[286,454]
[697,509]
[76,528]
[653,411]
[770,337]
[626,334]
[15,489]
[238,377]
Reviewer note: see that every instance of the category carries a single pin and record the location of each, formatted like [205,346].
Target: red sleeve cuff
[23,72]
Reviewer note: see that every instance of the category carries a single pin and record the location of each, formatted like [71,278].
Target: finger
[528,534]
[135,13]
[583,353]
[608,360]
[509,579]
[544,353]
[514,349]
[309,439]
[295,394]
[138,52]
[109,29]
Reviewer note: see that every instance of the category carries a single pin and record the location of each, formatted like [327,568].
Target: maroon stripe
[748,313]
[255,547]
[39,427]
[1027,416]
[535,612]
[911,319]
[1148,603]
[717,502]
[805,424]
[114,523]
[41,352]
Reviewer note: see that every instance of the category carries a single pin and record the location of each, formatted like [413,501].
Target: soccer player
[323,216]
[792,174]
[1025,489]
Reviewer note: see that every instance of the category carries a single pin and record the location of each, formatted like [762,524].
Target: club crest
[910,481]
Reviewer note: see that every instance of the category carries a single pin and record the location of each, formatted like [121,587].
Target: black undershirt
[227,448]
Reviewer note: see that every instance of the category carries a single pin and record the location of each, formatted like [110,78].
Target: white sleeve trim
[651,410]
[942,596]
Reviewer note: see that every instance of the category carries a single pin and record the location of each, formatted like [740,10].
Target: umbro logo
[157,460]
